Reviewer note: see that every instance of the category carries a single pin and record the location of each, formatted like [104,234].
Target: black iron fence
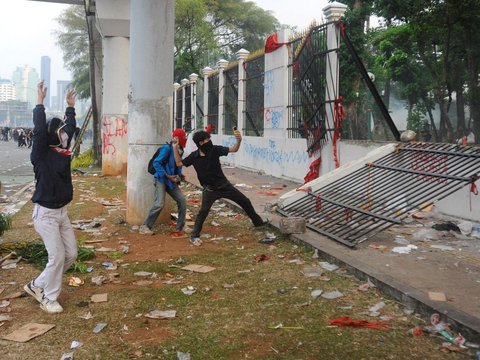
[254,95]
[230,100]
[212,112]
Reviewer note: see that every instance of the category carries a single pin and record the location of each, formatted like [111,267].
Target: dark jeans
[228,192]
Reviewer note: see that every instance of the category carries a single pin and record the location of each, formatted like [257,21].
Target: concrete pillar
[115,105]
[276,88]
[332,13]
[221,65]
[150,97]
[193,83]
[206,72]
[184,83]
[242,55]
[112,20]
[176,86]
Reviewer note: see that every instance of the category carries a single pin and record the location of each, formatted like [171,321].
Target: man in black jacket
[53,191]
[206,161]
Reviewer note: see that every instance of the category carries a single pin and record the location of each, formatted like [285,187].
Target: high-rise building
[62,87]
[7,90]
[45,76]
[25,81]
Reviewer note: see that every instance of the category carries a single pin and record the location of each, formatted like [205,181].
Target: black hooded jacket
[53,179]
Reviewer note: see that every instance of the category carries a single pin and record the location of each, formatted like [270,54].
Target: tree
[73,40]
[206,30]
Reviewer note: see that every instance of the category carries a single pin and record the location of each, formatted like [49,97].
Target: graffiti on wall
[274,154]
[113,128]
[269,87]
[273,118]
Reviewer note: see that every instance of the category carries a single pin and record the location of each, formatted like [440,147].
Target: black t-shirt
[208,167]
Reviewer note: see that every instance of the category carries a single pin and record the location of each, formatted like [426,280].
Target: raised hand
[70,98]
[41,92]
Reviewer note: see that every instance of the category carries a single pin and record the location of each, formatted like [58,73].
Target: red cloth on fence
[272,44]
[314,171]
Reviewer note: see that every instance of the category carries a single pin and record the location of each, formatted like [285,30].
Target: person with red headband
[167,177]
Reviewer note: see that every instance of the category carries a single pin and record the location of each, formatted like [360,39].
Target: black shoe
[263,223]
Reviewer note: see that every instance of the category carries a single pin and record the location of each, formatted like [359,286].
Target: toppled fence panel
[383,192]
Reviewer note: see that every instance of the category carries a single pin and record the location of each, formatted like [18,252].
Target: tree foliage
[206,30]
[73,40]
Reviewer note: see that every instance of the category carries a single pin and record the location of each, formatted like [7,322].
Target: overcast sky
[26,31]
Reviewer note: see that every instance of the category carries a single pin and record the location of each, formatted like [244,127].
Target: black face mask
[206,147]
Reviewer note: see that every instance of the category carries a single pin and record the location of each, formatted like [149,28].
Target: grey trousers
[159,202]
[54,226]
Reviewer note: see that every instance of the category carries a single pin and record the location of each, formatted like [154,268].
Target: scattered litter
[377,246]
[4,303]
[447,226]
[99,280]
[401,240]
[28,332]
[347,321]
[98,298]
[243,186]
[332,295]
[214,223]
[159,314]
[75,344]
[404,249]
[14,295]
[198,268]
[142,273]
[83,303]
[442,247]
[262,257]
[475,231]
[99,327]
[75,281]
[105,249]
[327,266]
[86,316]
[377,306]
[183,356]
[310,271]
[281,326]
[107,264]
[67,356]
[189,290]
[366,286]
[268,239]
[315,254]
[465,227]
[143,283]
[425,235]
[316,293]
[5,318]
[437,296]
[228,286]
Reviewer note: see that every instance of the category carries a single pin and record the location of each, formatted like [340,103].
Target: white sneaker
[34,291]
[144,230]
[51,306]
[196,241]
[187,229]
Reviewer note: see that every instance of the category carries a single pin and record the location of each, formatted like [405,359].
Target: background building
[25,81]
[7,90]
[45,75]
[62,87]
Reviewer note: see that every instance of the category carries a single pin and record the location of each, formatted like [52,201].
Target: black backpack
[150,168]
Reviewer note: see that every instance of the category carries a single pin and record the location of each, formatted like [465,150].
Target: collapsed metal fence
[383,193]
